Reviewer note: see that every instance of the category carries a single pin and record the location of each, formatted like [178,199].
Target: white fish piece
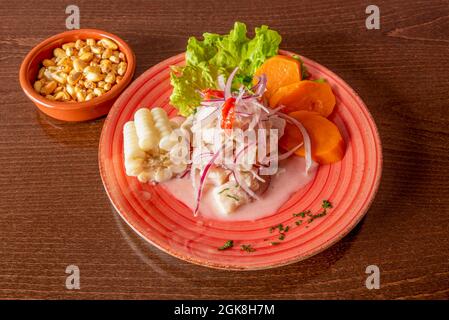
[229,197]
[217,176]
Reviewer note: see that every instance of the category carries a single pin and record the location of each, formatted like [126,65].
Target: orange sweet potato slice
[327,143]
[305,95]
[280,71]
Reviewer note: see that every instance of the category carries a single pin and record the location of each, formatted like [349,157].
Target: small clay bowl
[73,111]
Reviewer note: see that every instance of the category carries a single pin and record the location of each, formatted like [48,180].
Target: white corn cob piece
[148,135]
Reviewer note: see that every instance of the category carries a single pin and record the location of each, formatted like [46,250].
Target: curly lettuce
[220,54]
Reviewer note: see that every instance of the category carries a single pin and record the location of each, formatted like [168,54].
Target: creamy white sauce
[290,178]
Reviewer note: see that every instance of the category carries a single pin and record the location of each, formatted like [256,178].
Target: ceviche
[251,127]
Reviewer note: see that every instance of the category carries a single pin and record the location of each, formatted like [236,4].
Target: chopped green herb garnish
[225,189]
[304,71]
[282,237]
[247,248]
[279,226]
[302,214]
[315,216]
[326,204]
[299,222]
[228,244]
[320,80]
[287,228]
[274,243]
[233,197]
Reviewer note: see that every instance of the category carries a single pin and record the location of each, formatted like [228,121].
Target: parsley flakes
[228,244]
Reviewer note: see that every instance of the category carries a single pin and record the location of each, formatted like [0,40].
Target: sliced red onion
[277,109]
[240,152]
[243,114]
[202,180]
[306,138]
[261,85]
[204,117]
[239,97]
[227,89]
[255,175]
[182,175]
[243,185]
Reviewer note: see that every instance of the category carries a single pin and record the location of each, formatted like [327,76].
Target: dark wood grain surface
[54,211]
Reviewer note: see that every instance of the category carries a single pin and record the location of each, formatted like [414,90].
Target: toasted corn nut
[67,45]
[64,61]
[89,85]
[65,68]
[106,66]
[59,53]
[71,90]
[98,91]
[97,49]
[79,65]
[109,44]
[40,74]
[101,84]
[49,88]
[89,96]
[118,79]
[106,54]
[90,42]
[93,73]
[50,97]
[122,56]
[61,77]
[107,86]
[74,77]
[48,74]
[71,51]
[62,96]
[121,69]
[90,69]
[79,44]
[110,78]
[86,57]
[93,64]
[38,86]
[114,59]
[80,96]
[84,50]
[48,63]
[58,89]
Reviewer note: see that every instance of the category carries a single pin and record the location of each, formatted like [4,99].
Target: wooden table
[54,211]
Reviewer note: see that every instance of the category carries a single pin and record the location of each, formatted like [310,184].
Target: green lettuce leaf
[220,54]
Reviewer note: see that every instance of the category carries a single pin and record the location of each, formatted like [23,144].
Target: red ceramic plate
[168,224]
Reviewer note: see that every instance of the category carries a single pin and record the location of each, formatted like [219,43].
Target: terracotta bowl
[73,111]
